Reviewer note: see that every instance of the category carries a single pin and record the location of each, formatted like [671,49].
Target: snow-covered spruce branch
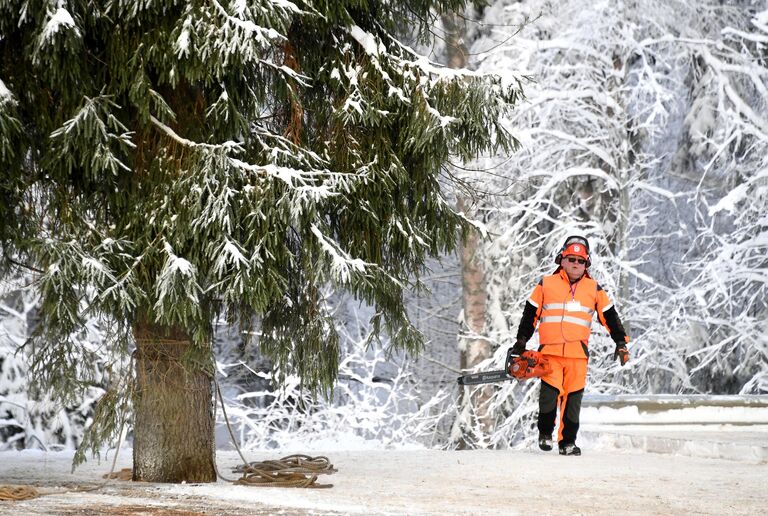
[228,146]
[342,264]
[312,183]
[95,123]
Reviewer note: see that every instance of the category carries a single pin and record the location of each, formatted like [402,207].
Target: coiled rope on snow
[17,493]
[292,471]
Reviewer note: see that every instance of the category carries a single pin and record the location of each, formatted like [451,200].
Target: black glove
[518,348]
[621,353]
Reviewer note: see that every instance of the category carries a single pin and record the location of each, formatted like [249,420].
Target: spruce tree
[164,162]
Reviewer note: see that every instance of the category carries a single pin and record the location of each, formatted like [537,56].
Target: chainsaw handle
[511,356]
[621,354]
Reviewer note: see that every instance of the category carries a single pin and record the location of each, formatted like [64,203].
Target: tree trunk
[173,439]
[473,346]
[626,161]
[622,237]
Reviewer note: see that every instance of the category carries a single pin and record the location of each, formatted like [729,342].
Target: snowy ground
[649,455]
[602,481]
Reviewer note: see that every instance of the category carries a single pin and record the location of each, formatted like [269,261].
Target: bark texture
[173,437]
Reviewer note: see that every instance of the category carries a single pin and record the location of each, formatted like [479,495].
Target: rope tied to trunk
[296,470]
[17,493]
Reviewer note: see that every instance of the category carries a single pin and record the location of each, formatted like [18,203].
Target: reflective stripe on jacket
[565,313]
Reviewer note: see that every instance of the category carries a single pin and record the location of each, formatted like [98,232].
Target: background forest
[644,128]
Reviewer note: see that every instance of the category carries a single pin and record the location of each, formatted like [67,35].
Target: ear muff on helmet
[574,239]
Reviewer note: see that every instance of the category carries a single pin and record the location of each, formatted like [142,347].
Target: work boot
[569,449]
[545,442]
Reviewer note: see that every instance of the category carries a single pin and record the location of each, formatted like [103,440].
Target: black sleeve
[527,322]
[615,327]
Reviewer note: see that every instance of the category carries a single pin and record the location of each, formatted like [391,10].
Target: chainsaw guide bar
[529,364]
[484,377]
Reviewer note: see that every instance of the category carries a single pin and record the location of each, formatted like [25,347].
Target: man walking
[563,305]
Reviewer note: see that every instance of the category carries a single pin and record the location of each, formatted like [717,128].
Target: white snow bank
[685,415]
[726,427]
[752,447]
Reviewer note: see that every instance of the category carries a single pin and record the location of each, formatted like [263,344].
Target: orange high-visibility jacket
[565,312]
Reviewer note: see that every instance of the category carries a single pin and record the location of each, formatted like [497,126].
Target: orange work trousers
[562,389]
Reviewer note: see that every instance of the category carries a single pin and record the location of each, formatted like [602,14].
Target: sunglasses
[580,261]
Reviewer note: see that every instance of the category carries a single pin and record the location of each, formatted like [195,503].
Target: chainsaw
[529,364]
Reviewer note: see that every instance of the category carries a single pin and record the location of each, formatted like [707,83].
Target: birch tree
[476,422]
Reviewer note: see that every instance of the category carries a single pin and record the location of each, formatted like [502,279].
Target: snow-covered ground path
[602,481]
